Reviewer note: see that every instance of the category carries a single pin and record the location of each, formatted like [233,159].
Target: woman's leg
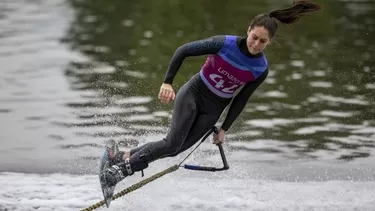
[182,137]
[184,115]
[203,124]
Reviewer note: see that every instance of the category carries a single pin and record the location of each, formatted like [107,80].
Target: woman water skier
[233,62]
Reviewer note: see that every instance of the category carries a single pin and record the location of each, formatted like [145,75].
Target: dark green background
[138,38]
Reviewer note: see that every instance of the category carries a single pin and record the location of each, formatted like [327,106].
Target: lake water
[76,73]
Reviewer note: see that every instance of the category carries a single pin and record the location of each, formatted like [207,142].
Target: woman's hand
[166,93]
[219,137]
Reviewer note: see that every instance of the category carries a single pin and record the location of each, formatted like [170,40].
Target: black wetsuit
[196,107]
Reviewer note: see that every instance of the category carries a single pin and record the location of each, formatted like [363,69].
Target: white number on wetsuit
[221,85]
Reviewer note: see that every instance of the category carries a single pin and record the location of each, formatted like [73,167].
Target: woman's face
[257,39]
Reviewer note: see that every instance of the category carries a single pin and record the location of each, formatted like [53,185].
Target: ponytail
[288,15]
[294,13]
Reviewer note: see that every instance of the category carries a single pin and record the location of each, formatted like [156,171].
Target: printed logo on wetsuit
[225,82]
[222,78]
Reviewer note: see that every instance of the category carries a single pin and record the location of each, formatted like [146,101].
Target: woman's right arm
[206,46]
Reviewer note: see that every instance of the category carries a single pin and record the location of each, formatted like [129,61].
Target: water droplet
[297,63]
[144,42]
[128,23]
[132,52]
[148,34]
[90,19]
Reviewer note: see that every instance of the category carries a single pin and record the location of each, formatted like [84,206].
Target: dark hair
[288,15]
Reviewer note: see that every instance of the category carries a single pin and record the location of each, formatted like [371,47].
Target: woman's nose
[256,44]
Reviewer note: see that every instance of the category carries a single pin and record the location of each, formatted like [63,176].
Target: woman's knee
[171,147]
[174,154]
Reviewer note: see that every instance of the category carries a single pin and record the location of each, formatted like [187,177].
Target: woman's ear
[248,31]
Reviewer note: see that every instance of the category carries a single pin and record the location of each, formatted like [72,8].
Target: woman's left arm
[241,99]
